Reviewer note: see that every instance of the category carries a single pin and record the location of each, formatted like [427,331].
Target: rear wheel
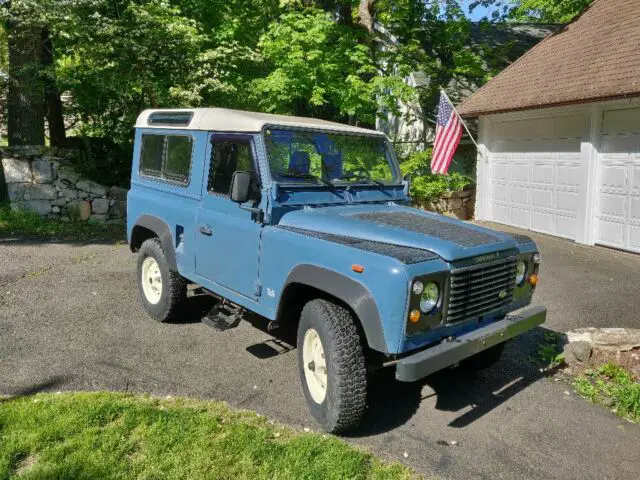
[162,290]
[331,364]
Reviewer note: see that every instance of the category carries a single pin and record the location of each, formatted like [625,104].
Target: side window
[167,157]
[227,157]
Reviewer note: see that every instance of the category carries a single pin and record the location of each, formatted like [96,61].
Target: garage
[559,133]
[534,174]
[618,214]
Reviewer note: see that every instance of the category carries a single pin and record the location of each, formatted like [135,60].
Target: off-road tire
[346,396]
[483,360]
[174,286]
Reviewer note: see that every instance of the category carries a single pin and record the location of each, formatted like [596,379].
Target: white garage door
[534,174]
[618,207]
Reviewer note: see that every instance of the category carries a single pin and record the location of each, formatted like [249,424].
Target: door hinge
[258,289]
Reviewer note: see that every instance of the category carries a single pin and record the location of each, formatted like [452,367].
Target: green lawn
[613,387]
[22,223]
[110,435]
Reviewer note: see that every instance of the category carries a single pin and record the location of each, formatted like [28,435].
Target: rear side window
[167,157]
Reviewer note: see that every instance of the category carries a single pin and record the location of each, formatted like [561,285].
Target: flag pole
[461,120]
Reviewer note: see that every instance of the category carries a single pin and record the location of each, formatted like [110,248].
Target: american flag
[448,135]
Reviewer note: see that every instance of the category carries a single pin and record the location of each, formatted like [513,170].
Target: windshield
[297,156]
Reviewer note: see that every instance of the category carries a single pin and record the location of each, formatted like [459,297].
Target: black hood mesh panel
[406,255]
[451,232]
[521,238]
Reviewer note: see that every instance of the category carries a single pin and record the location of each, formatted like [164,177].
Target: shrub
[425,184]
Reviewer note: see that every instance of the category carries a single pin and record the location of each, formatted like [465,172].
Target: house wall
[543,170]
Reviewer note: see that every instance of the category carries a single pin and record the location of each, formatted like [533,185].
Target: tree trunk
[25,99]
[55,117]
[365,14]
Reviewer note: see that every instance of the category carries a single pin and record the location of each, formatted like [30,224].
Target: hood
[449,238]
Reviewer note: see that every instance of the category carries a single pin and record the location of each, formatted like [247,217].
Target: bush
[425,184]
[101,160]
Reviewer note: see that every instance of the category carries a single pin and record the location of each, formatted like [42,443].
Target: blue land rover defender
[308,223]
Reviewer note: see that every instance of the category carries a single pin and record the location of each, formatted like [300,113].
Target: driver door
[227,246]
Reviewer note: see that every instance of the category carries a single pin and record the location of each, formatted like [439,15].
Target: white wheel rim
[315,365]
[151,280]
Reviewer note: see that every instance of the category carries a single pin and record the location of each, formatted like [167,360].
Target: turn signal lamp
[414,316]
[533,280]
[357,268]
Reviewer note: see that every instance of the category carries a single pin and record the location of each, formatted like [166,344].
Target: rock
[118,209]
[16,191]
[607,339]
[79,210]
[61,202]
[100,206]
[90,186]
[68,175]
[41,207]
[55,209]
[461,213]
[116,221]
[42,171]
[16,170]
[455,203]
[101,218]
[16,206]
[118,193]
[577,352]
[41,192]
[69,194]
[27,150]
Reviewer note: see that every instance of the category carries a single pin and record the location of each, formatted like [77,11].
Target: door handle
[205,230]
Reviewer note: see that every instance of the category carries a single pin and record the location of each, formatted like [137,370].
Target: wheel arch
[306,282]
[148,226]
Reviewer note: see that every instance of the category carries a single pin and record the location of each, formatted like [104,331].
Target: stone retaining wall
[454,204]
[43,180]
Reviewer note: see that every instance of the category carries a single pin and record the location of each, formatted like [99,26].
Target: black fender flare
[348,290]
[162,231]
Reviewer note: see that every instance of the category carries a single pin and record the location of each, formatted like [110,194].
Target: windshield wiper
[309,177]
[355,176]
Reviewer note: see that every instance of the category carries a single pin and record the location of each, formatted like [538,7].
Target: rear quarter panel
[175,205]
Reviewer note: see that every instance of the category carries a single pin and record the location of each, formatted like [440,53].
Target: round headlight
[521,271]
[418,287]
[429,298]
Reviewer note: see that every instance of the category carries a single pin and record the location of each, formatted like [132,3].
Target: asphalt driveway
[70,319]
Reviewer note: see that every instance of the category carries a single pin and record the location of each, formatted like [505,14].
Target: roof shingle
[594,58]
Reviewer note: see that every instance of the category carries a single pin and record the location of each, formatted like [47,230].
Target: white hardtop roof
[226,120]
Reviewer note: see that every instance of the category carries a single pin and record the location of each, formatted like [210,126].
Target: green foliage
[547,11]
[107,435]
[320,67]
[549,354]
[613,387]
[24,223]
[424,184]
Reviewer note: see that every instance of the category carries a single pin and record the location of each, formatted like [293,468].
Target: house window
[167,157]
[227,157]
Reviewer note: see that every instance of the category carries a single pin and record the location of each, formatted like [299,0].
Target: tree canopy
[343,60]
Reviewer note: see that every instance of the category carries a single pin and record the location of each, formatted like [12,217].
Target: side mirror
[240,186]
[407,184]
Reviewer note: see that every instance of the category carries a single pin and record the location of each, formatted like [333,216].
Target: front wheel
[332,366]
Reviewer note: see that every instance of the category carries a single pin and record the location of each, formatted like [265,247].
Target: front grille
[480,289]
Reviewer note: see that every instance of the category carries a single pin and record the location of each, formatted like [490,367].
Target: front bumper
[445,354]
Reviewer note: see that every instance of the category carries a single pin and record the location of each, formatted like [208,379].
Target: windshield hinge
[258,290]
